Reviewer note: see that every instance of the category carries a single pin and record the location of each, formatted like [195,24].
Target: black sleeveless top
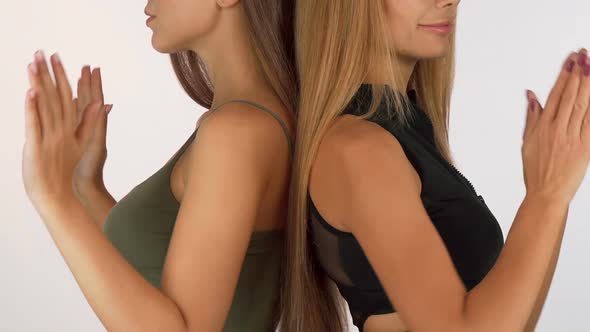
[468,228]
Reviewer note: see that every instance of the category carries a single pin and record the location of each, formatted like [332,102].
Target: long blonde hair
[336,44]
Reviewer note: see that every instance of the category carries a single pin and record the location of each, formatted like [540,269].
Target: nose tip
[446,3]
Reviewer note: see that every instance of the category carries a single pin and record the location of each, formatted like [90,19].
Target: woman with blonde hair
[196,246]
[377,207]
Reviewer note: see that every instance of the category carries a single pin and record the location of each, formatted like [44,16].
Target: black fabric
[468,228]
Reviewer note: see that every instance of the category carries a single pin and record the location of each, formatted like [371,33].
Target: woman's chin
[162,47]
[436,53]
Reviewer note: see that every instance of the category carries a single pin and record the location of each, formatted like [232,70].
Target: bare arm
[507,295]
[229,167]
[97,201]
[534,318]
[383,209]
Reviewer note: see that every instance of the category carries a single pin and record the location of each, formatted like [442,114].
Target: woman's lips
[438,28]
[147,22]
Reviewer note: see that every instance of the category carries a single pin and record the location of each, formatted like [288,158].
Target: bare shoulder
[248,133]
[239,119]
[363,183]
[354,159]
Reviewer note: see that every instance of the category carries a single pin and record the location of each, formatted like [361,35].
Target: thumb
[85,129]
[533,112]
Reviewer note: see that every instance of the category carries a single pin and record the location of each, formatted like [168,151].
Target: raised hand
[556,139]
[88,174]
[55,139]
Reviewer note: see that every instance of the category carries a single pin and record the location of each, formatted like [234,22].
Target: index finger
[555,95]
[64,88]
[84,95]
[96,86]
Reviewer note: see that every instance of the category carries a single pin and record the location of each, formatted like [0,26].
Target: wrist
[54,204]
[546,202]
[88,189]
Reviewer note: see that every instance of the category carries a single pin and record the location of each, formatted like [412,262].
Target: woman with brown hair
[197,246]
[379,210]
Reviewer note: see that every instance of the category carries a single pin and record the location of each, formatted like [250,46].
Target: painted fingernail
[582,57]
[39,55]
[587,70]
[56,58]
[532,105]
[570,65]
[33,68]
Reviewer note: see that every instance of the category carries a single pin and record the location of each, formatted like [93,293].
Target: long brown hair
[271,28]
[336,44]
[270,24]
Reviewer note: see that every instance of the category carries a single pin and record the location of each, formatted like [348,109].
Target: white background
[503,47]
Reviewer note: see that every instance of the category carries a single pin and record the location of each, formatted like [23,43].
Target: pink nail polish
[56,58]
[570,65]
[587,70]
[583,55]
[532,105]
[33,68]
[39,55]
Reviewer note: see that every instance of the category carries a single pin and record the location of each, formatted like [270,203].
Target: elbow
[462,316]
[196,325]
[466,321]
[467,324]
[498,326]
[173,321]
[166,325]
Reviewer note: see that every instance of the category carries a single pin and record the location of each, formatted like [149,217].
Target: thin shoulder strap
[274,115]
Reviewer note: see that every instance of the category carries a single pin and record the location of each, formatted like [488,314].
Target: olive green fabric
[140,226]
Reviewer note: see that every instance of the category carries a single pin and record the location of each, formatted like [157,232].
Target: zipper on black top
[467,181]
[457,173]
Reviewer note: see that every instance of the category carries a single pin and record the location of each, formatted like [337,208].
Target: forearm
[505,298]
[122,299]
[97,201]
[538,308]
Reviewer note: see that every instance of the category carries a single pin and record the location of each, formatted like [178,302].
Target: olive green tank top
[140,226]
